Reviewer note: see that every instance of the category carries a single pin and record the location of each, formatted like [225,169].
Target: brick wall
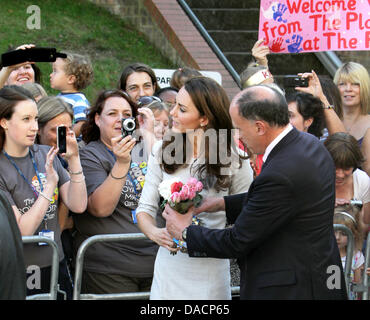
[170,30]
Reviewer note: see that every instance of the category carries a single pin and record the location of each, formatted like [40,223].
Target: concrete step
[241,4]
[228,19]
[279,64]
[237,41]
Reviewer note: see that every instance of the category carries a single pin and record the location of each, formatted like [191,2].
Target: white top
[179,276]
[361,186]
[274,142]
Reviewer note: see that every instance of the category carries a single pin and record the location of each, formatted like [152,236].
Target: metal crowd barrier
[126,296]
[52,295]
[80,261]
[364,286]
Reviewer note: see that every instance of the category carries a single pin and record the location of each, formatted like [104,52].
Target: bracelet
[117,178]
[74,173]
[328,107]
[49,199]
[78,181]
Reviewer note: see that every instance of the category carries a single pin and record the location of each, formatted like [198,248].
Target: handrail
[210,41]
[329,60]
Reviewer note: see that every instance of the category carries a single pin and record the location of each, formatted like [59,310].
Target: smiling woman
[115,169]
[34,181]
[20,73]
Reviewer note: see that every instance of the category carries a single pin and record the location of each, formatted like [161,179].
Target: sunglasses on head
[143,101]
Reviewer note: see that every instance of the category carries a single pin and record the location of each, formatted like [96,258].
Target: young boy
[71,75]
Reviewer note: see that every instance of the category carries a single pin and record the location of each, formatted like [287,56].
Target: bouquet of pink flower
[181,196]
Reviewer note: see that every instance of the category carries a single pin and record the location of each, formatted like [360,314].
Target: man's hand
[210,205]
[176,222]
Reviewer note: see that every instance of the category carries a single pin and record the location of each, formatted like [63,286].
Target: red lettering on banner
[367,39]
[294,6]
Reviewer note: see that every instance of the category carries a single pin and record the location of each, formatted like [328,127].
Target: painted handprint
[295,43]
[276,45]
[279,11]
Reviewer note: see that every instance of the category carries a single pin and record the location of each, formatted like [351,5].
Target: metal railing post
[365,281]
[54,267]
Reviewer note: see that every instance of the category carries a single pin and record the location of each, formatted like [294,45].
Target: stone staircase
[233,25]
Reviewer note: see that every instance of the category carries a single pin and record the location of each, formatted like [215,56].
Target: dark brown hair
[211,101]
[137,67]
[10,96]
[90,131]
[344,150]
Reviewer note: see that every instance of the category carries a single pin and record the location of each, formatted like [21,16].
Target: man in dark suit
[283,232]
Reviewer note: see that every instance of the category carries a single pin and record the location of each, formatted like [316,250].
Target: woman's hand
[122,148]
[163,239]
[72,145]
[51,175]
[314,85]
[260,52]
[146,120]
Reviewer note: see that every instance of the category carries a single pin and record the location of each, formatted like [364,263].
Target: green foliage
[82,27]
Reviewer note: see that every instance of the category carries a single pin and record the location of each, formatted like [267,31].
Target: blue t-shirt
[79,104]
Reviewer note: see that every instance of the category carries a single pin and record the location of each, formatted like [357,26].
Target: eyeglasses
[147,99]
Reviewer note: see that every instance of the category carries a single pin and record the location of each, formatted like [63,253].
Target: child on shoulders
[71,75]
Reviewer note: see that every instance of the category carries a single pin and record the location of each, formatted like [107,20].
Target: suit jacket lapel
[285,141]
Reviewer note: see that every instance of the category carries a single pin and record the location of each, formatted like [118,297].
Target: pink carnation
[199,186]
[192,182]
[175,197]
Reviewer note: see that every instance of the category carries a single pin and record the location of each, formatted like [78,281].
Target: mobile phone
[30,54]
[62,139]
[295,81]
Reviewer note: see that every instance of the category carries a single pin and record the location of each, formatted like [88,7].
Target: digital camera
[128,126]
[295,81]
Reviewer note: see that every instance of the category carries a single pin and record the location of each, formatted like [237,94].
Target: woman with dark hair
[351,183]
[198,145]
[34,182]
[306,113]
[21,73]
[115,165]
[138,80]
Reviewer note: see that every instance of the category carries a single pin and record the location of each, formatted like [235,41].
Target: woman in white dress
[201,111]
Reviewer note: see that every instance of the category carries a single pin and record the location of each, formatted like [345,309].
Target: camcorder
[128,126]
[30,55]
[295,81]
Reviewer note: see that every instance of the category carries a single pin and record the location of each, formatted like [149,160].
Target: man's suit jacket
[283,232]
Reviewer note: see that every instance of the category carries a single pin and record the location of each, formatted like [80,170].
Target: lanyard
[128,173]
[21,173]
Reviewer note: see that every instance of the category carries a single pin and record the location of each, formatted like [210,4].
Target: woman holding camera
[35,181]
[114,164]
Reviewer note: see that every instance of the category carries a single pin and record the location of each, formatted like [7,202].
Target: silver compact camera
[128,126]
[357,203]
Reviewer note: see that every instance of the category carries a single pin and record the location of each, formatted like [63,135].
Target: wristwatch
[184,232]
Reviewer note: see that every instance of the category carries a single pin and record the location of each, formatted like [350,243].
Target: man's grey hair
[256,103]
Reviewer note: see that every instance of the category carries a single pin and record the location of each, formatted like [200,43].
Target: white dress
[180,277]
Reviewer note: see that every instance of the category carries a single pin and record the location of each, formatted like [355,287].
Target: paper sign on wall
[293,26]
